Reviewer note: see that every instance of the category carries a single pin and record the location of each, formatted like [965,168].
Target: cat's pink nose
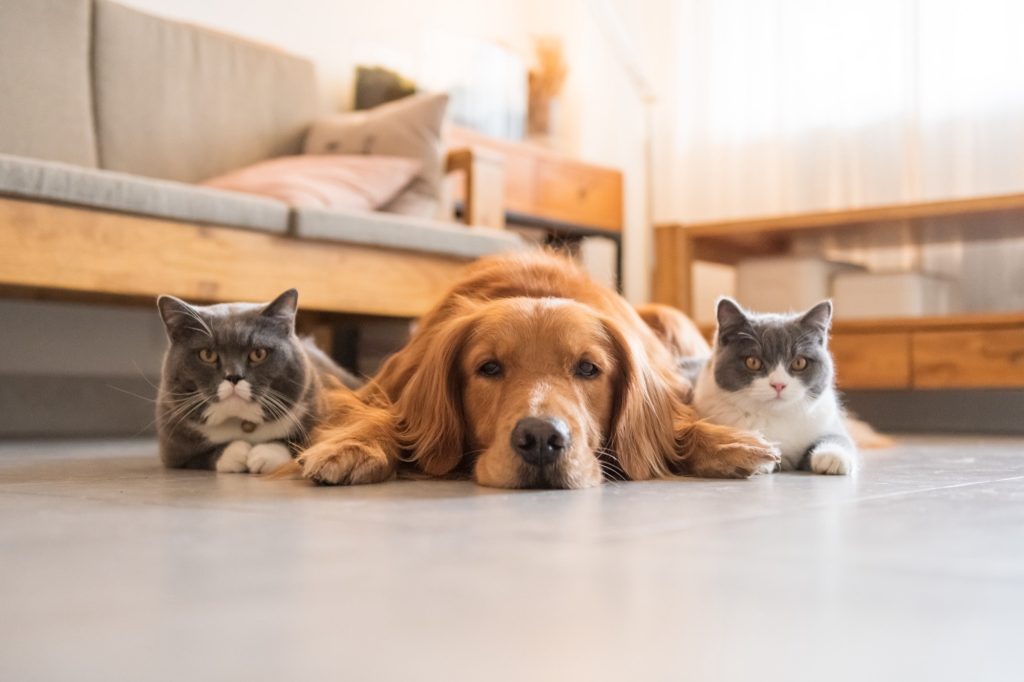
[778,386]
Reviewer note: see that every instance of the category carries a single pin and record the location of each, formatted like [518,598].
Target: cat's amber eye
[799,364]
[257,355]
[208,356]
[752,363]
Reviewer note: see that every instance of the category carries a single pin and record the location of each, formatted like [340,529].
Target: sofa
[109,119]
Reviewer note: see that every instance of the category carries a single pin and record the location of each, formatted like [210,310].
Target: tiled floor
[113,569]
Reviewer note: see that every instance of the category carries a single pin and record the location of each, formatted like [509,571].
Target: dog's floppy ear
[642,419]
[675,330]
[431,423]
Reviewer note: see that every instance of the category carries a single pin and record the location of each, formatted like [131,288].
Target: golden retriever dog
[528,374]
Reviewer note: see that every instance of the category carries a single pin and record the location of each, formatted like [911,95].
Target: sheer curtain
[783,106]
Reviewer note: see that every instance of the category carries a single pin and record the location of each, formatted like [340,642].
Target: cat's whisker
[182,408]
[200,403]
[277,405]
[143,375]
[134,395]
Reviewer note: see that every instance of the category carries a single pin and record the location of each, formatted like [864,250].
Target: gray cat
[239,391]
[772,374]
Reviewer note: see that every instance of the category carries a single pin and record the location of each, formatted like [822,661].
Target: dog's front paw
[268,457]
[346,463]
[747,456]
[234,458]
[833,461]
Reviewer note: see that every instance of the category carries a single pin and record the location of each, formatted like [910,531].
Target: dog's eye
[257,355]
[491,368]
[799,364]
[752,363]
[586,369]
[208,356]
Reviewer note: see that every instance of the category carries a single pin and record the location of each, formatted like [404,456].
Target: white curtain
[786,106]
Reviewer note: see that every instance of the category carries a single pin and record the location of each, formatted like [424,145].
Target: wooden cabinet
[872,360]
[990,358]
[962,352]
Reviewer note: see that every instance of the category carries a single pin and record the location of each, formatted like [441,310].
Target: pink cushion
[346,182]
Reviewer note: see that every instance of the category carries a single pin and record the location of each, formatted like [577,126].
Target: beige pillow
[409,127]
[341,182]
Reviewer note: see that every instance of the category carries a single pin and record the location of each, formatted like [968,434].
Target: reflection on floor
[113,569]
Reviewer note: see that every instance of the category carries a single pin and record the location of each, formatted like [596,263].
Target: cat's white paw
[267,457]
[834,461]
[234,458]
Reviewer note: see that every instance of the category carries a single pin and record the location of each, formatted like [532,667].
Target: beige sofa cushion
[180,102]
[402,232]
[64,183]
[409,127]
[45,99]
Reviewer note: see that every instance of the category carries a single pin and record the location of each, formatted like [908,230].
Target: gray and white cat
[772,374]
[239,391]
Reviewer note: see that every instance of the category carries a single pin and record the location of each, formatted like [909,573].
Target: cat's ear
[730,318]
[283,307]
[180,319]
[818,318]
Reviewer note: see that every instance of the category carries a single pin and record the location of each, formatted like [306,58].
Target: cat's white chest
[793,429]
[234,429]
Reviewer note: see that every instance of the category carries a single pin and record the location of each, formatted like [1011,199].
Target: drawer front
[520,183]
[580,194]
[872,360]
[969,359]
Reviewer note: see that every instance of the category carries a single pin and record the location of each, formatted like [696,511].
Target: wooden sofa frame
[62,252]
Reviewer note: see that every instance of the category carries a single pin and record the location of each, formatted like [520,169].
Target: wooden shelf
[898,213]
[1010,320]
[946,322]
[956,351]
[678,245]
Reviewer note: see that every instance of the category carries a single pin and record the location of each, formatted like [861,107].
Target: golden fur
[538,315]
[675,330]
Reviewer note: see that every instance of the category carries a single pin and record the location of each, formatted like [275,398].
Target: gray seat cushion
[45,96]
[402,232]
[63,183]
[185,103]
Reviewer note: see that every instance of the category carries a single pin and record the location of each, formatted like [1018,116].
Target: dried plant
[546,81]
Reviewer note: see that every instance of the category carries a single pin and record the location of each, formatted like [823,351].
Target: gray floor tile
[113,568]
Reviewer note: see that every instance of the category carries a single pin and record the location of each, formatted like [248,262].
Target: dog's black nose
[540,441]
[234,378]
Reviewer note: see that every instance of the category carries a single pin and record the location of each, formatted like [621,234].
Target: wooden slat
[482,189]
[965,321]
[673,268]
[857,217]
[872,361]
[944,322]
[72,251]
[992,358]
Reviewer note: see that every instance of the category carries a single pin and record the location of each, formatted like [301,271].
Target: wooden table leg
[673,268]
